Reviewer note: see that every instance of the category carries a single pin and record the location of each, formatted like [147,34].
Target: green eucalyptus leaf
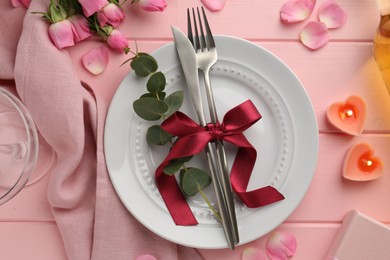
[144,65]
[175,165]
[150,109]
[193,180]
[174,102]
[157,136]
[156,82]
[146,55]
[160,95]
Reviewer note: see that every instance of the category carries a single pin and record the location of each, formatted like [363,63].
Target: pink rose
[153,5]
[61,34]
[110,14]
[80,27]
[92,6]
[117,40]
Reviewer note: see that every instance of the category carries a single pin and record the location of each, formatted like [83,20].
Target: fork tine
[196,41]
[189,27]
[210,38]
[202,38]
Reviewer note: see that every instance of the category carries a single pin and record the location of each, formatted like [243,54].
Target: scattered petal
[80,27]
[152,5]
[281,246]
[214,5]
[252,253]
[92,6]
[296,10]
[146,257]
[96,60]
[61,33]
[331,14]
[18,3]
[315,35]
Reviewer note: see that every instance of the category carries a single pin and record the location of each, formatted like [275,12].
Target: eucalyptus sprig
[155,105]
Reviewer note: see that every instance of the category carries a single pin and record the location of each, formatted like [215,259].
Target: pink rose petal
[281,246]
[111,14]
[152,5]
[252,253]
[296,10]
[96,60]
[315,35]
[145,257]
[214,5]
[92,6]
[80,27]
[331,14]
[61,34]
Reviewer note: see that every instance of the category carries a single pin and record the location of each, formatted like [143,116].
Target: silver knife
[188,62]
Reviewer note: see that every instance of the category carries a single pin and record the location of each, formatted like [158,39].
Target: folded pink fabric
[93,222]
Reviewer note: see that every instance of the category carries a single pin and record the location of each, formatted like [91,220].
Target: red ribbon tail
[240,176]
[260,197]
[174,200]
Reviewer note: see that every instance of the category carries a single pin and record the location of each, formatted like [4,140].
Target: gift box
[360,238]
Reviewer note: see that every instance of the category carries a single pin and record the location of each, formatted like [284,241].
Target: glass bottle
[382,42]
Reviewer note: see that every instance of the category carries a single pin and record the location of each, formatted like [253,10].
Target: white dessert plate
[286,139]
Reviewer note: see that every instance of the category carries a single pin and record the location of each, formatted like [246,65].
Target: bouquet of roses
[72,21]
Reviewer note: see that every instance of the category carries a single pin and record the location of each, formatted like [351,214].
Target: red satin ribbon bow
[193,139]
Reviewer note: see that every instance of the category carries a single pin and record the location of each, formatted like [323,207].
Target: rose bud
[152,5]
[110,14]
[118,41]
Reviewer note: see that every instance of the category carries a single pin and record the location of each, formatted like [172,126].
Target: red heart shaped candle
[348,116]
[360,164]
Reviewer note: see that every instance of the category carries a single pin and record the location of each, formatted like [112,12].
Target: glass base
[19,145]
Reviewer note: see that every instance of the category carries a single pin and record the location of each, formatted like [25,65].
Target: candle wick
[367,162]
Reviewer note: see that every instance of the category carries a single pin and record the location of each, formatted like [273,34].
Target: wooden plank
[308,237]
[18,240]
[30,204]
[31,240]
[330,196]
[256,20]
[328,75]
[335,72]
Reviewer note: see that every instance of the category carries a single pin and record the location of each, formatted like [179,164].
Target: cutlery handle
[224,175]
[212,155]
[227,188]
[225,216]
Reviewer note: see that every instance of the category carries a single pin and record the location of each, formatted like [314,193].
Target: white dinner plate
[286,139]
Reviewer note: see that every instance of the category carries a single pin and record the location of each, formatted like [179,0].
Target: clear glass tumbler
[19,146]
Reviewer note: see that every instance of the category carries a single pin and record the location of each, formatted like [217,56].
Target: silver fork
[206,55]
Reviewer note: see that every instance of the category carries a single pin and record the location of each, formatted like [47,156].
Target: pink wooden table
[344,67]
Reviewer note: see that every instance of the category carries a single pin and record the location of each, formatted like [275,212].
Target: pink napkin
[93,222]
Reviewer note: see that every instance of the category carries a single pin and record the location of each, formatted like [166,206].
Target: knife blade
[187,57]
